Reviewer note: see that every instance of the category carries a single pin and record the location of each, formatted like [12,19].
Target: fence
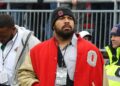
[97,22]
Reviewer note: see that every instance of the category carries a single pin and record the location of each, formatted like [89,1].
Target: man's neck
[62,42]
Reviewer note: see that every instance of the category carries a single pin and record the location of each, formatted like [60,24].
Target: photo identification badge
[61,76]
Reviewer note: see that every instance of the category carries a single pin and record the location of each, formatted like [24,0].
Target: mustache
[66,25]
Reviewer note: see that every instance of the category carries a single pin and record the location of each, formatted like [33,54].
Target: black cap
[59,12]
[115,30]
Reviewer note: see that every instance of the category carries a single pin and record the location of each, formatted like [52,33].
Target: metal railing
[97,22]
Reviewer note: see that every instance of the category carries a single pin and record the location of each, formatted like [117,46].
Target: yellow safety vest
[118,52]
[112,78]
[108,50]
[109,53]
[112,68]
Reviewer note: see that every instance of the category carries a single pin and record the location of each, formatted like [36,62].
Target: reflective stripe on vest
[114,78]
[114,81]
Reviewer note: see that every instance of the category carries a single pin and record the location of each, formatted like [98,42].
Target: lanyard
[5,57]
[61,61]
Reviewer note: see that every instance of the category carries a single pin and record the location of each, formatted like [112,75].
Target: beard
[65,34]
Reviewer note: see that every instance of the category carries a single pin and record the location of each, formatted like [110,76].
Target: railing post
[115,12]
[8,7]
[58,4]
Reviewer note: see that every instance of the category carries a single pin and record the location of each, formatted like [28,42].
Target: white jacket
[28,41]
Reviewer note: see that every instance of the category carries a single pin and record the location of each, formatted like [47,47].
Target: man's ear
[13,28]
[53,27]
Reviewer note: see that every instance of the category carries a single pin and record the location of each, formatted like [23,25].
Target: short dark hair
[6,21]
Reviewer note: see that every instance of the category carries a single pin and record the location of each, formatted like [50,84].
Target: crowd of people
[68,58]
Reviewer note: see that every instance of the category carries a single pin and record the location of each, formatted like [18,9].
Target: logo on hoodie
[92,58]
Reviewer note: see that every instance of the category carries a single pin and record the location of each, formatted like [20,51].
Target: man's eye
[70,18]
[61,18]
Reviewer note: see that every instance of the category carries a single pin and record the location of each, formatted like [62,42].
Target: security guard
[113,67]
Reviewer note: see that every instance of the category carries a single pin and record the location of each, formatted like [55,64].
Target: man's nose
[66,20]
[112,38]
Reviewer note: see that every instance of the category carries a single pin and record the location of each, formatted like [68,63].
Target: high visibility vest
[110,54]
[118,53]
[108,50]
[113,69]
[112,78]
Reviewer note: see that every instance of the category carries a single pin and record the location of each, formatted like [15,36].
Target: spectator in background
[63,60]
[86,35]
[113,66]
[15,42]
[3,5]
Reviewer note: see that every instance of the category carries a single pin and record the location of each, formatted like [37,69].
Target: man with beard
[63,60]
